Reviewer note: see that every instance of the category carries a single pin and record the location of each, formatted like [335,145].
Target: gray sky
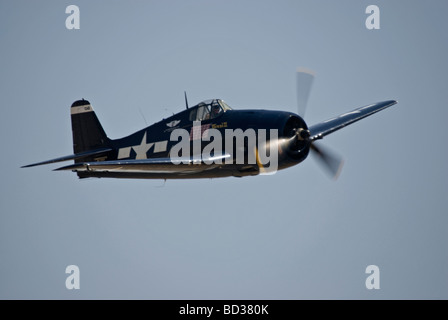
[293,235]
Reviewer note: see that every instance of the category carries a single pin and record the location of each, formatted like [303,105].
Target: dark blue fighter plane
[147,153]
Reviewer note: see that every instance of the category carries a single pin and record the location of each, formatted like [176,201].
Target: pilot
[216,110]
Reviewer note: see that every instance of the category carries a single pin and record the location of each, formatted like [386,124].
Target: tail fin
[88,134]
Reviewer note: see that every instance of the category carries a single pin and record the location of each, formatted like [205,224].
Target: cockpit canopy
[208,109]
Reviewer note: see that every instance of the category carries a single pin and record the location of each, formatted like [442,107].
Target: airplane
[149,153]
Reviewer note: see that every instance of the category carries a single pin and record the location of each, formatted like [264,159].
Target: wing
[71,157]
[154,165]
[318,131]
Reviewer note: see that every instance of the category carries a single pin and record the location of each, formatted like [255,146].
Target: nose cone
[303,134]
[297,134]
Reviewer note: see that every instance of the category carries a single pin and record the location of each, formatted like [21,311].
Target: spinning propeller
[331,162]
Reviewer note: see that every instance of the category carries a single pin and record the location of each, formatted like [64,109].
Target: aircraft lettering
[219,126]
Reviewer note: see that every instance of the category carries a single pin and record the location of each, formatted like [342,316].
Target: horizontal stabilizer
[318,131]
[71,157]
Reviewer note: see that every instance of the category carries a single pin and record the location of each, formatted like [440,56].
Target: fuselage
[251,132]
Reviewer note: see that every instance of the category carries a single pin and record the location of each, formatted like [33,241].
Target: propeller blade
[304,79]
[331,162]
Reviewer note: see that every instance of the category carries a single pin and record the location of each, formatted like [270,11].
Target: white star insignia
[142,148]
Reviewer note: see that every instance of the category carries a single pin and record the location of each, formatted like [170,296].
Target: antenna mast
[186,101]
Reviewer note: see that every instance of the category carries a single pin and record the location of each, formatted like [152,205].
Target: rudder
[88,134]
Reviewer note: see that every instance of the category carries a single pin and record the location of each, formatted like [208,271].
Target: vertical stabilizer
[88,134]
